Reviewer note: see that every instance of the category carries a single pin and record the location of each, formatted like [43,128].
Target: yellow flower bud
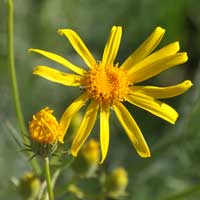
[44,132]
[90,151]
[116,182]
[29,186]
[44,127]
[88,158]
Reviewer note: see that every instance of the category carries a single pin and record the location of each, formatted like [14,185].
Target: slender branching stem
[11,66]
[48,178]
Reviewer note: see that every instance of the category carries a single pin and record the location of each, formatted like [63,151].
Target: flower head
[90,151]
[107,84]
[43,127]
[44,132]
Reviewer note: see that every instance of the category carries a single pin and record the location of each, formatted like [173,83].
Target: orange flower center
[44,127]
[106,84]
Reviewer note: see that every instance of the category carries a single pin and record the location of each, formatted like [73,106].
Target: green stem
[11,63]
[11,66]
[53,181]
[48,178]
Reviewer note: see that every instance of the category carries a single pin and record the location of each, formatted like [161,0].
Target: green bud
[87,160]
[29,186]
[43,150]
[116,182]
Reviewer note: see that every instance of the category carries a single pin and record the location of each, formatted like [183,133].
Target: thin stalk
[53,181]
[11,66]
[48,178]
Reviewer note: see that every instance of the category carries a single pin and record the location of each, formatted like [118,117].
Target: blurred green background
[175,163]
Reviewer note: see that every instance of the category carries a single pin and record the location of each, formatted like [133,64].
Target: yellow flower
[43,127]
[107,85]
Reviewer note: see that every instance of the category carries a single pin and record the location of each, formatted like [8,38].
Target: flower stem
[48,178]
[11,63]
[11,66]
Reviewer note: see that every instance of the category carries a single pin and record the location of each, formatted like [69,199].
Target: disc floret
[106,85]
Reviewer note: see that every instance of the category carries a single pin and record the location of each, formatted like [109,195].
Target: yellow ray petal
[162,53]
[164,92]
[132,130]
[149,68]
[145,49]
[153,106]
[112,46]
[60,60]
[57,76]
[85,127]
[104,131]
[69,113]
[79,46]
